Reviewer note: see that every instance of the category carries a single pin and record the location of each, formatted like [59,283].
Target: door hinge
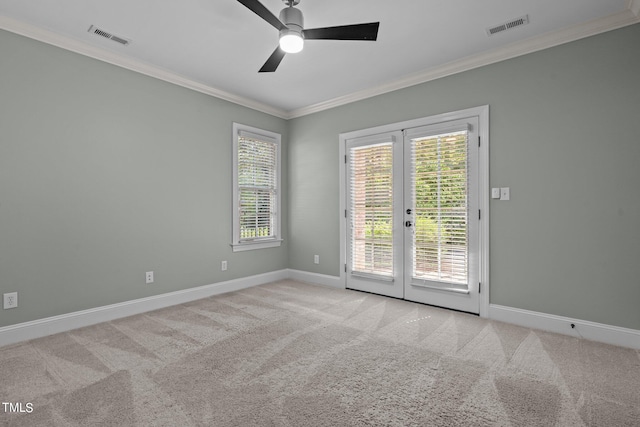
[479,214]
[479,288]
[345,159]
[345,213]
[478,141]
[345,268]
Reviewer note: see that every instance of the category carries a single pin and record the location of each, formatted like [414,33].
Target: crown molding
[67,43]
[534,44]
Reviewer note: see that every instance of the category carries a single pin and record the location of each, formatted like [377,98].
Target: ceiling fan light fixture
[291,41]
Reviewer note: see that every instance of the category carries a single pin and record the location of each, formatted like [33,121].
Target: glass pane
[371,171]
[256,214]
[439,181]
[256,163]
[257,188]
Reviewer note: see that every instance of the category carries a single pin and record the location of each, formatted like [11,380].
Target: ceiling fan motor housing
[292,18]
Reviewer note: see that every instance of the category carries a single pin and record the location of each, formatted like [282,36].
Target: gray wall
[106,174]
[564,137]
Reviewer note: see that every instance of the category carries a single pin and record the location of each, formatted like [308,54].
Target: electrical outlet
[149,277]
[505,193]
[316,259]
[223,266]
[10,300]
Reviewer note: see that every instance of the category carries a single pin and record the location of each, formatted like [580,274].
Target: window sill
[261,244]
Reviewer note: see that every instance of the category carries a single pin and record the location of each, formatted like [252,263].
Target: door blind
[439,187]
[257,174]
[371,187]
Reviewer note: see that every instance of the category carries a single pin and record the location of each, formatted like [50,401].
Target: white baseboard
[608,334]
[316,278]
[66,322]
[52,325]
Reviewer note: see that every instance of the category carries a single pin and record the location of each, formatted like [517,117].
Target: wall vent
[517,22]
[107,35]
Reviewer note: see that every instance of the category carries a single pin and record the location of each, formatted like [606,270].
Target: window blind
[257,186]
[439,187]
[371,199]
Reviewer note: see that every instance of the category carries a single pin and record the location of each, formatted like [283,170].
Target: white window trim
[276,241]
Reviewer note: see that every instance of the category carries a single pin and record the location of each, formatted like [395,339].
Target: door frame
[482,112]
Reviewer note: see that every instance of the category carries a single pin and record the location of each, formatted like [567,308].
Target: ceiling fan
[292,32]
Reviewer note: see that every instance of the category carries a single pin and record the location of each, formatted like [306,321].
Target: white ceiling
[217,46]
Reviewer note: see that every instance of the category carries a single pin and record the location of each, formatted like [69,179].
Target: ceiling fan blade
[273,61]
[264,13]
[368,31]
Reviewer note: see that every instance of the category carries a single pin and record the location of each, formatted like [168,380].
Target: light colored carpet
[292,354]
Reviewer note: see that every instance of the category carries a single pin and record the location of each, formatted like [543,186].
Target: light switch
[495,193]
[504,193]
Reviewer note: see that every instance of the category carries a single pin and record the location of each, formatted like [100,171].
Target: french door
[413,214]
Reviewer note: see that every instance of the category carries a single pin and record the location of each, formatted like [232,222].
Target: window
[439,176]
[371,176]
[256,188]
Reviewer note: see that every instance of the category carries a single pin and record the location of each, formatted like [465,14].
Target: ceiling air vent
[107,35]
[508,25]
